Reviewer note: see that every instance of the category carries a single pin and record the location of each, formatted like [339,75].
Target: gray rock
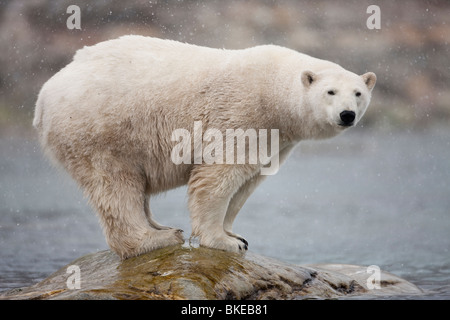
[201,273]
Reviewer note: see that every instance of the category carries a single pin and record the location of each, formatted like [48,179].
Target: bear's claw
[244,242]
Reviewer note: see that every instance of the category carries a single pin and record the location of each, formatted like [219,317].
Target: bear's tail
[39,112]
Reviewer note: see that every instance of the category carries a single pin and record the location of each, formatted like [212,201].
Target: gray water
[363,198]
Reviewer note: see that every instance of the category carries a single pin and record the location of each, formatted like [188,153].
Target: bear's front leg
[210,189]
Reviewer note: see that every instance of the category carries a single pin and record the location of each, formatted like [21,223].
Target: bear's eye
[331,92]
[358,94]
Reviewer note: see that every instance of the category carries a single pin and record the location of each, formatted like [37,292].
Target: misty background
[378,194]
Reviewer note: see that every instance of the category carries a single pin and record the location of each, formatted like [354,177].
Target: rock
[200,273]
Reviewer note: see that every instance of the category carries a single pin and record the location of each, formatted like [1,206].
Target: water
[365,198]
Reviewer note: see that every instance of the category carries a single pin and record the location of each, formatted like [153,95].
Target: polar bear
[109,115]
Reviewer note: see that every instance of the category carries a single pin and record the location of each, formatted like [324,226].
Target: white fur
[107,118]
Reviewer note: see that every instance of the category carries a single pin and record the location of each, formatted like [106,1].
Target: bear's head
[337,99]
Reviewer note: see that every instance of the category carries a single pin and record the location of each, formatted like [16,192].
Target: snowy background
[409,53]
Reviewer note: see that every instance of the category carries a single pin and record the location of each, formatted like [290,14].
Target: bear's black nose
[347,118]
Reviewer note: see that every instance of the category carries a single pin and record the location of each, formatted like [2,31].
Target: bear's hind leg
[119,200]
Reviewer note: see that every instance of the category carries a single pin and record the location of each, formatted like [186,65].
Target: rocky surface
[200,273]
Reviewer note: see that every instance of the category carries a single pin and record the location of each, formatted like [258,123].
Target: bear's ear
[308,77]
[369,79]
